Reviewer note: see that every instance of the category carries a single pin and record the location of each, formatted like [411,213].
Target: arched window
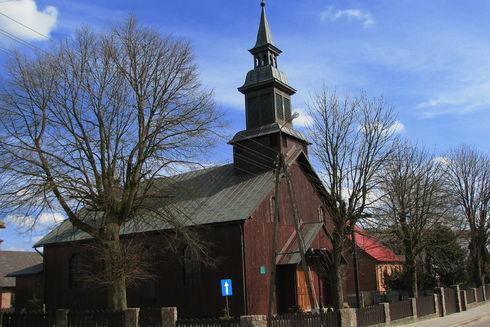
[192,266]
[75,272]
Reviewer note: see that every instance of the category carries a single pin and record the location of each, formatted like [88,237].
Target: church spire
[264,36]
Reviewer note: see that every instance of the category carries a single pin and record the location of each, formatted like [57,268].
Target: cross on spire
[264,36]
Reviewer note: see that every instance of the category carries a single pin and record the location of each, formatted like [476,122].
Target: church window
[192,266]
[279,107]
[253,112]
[267,112]
[287,109]
[75,272]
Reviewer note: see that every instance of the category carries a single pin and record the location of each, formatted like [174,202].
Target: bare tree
[88,127]
[468,178]
[352,139]
[414,202]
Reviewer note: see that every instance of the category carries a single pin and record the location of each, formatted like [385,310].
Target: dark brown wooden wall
[28,289]
[367,273]
[258,236]
[168,288]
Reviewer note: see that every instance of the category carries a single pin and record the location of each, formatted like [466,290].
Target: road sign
[226,287]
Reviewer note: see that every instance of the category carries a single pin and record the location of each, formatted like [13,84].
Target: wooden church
[235,203]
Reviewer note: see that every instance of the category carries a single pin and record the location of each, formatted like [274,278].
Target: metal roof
[290,254]
[32,270]
[211,195]
[265,130]
[11,261]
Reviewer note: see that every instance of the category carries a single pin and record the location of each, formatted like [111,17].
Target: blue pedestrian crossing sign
[226,287]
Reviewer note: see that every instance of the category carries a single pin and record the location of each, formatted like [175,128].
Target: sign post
[226,290]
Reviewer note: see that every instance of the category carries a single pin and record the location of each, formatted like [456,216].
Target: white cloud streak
[25,12]
[333,14]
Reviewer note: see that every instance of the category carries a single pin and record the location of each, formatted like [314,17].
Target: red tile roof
[375,248]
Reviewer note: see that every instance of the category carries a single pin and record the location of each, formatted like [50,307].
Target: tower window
[279,107]
[287,109]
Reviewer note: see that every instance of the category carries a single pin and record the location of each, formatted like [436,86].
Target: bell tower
[269,128]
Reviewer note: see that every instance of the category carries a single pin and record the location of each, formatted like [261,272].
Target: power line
[24,25]
[19,40]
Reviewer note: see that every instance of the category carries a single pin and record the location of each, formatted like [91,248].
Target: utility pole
[356,267]
[282,170]
[272,282]
[301,244]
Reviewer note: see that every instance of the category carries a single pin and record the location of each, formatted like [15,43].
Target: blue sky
[429,59]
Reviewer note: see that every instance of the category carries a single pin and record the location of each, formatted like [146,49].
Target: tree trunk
[411,272]
[477,264]
[336,272]
[115,269]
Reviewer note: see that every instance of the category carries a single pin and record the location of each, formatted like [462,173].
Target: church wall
[199,296]
[258,237]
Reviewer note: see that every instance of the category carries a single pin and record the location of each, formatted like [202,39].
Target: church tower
[269,129]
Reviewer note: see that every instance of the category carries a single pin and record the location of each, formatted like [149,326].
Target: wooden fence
[479,294]
[470,296]
[450,300]
[372,315]
[208,322]
[96,318]
[31,319]
[426,306]
[327,318]
[150,318]
[401,309]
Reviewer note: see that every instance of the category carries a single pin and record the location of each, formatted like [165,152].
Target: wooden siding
[169,288]
[29,292]
[258,237]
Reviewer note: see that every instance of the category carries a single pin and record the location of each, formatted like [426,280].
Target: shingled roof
[206,196]
[12,261]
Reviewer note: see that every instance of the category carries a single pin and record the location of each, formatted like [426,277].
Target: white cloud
[398,127]
[462,100]
[303,120]
[27,13]
[45,220]
[444,161]
[333,14]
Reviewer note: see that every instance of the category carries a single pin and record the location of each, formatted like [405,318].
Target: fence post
[253,321]
[62,318]
[459,307]
[464,299]
[414,308]
[386,306]
[348,317]
[442,301]
[169,316]
[476,294]
[131,317]
[484,293]
[436,304]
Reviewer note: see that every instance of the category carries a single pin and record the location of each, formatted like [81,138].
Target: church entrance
[286,288]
